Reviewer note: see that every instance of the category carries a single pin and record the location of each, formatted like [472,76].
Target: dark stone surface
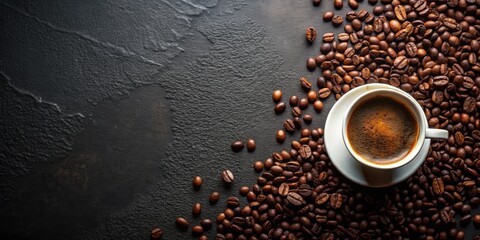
[109,108]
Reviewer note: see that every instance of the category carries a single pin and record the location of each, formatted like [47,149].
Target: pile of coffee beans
[429,49]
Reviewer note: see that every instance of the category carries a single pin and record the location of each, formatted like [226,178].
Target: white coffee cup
[414,107]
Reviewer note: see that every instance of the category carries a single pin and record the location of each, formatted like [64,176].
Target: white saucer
[344,161]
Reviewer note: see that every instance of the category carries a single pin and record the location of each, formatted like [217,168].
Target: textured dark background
[109,108]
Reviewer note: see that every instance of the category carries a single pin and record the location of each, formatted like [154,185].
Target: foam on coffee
[382,130]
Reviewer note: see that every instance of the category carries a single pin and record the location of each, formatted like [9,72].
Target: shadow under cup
[394,103]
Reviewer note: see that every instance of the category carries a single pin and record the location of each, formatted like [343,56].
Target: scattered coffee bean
[303,103]
[197,230]
[227,176]
[206,224]
[280,108]
[258,165]
[277,95]
[197,209]
[157,233]
[280,136]
[306,85]
[293,101]
[337,20]
[316,3]
[353,4]
[307,118]
[311,34]
[251,145]
[318,106]
[476,220]
[296,111]
[197,182]
[237,146]
[182,223]
[311,64]
[328,16]
[289,126]
[311,96]
[214,197]
[244,190]
[338,4]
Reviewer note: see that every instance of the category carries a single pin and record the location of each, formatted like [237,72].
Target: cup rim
[418,114]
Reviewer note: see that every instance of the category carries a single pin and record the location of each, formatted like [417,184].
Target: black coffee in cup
[382,130]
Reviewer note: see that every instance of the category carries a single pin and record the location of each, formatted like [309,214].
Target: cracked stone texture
[109,109]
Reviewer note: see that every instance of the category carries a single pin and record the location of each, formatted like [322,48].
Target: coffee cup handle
[436,133]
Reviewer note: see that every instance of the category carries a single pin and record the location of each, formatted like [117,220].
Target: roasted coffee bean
[294,199]
[306,85]
[323,93]
[338,4]
[476,220]
[251,145]
[293,101]
[277,95]
[311,34]
[237,146]
[258,165]
[311,96]
[280,136]
[197,182]
[337,20]
[316,3]
[336,200]
[303,104]
[353,4]
[322,198]
[311,64]
[233,202]
[296,112]
[328,37]
[438,186]
[289,125]
[227,176]
[279,109]
[197,209]
[305,151]
[182,223]
[328,16]
[197,230]
[214,197]
[400,13]
[156,233]
[469,105]
[307,118]
[206,224]
[318,106]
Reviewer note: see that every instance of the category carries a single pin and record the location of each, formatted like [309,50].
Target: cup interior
[407,101]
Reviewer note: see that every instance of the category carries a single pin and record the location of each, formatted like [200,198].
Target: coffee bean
[323,93]
[336,200]
[400,13]
[328,37]
[296,111]
[311,96]
[251,145]
[303,104]
[233,202]
[338,4]
[293,101]
[197,182]
[156,233]
[214,197]
[227,176]
[258,165]
[277,95]
[305,151]
[316,3]
[328,16]
[306,85]
[469,105]
[438,186]
[311,64]
[294,199]
[206,224]
[353,4]
[311,34]
[197,209]
[337,20]
[237,146]
[322,198]
[307,118]
[476,220]
[280,108]
[318,106]
[182,223]
[197,230]
[289,126]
